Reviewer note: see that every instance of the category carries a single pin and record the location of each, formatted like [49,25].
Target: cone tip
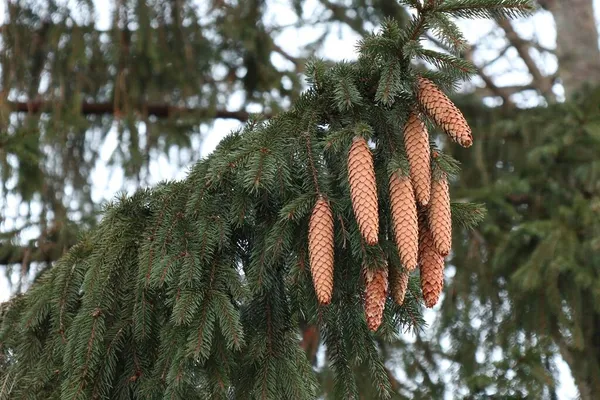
[430,303]
[411,267]
[372,240]
[324,300]
[373,326]
[467,142]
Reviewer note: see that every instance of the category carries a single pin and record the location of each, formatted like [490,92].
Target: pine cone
[416,142]
[375,294]
[363,190]
[432,266]
[440,221]
[399,283]
[320,250]
[404,217]
[443,111]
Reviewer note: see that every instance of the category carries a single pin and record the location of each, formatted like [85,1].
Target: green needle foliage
[536,255]
[153,79]
[196,289]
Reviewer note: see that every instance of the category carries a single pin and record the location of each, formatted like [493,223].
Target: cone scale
[416,143]
[432,266]
[443,111]
[404,218]
[376,287]
[398,284]
[320,250]
[440,221]
[363,190]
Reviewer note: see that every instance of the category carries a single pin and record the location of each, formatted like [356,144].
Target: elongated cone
[416,143]
[432,266]
[363,190]
[445,114]
[320,250]
[375,294]
[404,218]
[440,221]
[398,283]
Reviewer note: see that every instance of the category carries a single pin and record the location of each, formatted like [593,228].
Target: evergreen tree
[535,255]
[197,288]
[156,77]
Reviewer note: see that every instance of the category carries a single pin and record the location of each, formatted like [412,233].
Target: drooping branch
[157,110]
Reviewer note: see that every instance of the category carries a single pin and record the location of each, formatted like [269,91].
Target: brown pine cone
[398,283]
[443,111]
[375,294]
[416,143]
[404,217]
[440,220]
[320,250]
[363,190]
[432,266]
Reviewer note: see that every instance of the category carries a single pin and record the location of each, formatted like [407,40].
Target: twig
[108,108]
[541,82]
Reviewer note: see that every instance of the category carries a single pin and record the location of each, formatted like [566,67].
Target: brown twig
[540,82]
[108,108]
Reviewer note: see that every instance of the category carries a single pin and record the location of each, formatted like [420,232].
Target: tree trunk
[576,43]
[583,362]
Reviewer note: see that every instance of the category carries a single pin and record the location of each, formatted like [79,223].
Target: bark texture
[576,42]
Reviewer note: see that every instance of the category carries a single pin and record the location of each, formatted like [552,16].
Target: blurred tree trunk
[579,65]
[576,42]
[584,362]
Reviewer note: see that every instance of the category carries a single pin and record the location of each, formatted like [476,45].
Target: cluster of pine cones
[420,210]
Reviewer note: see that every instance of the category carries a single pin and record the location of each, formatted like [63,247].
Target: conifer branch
[108,108]
[17,255]
[231,279]
[312,163]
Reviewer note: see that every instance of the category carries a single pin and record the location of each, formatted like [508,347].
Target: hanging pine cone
[376,287]
[363,190]
[432,266]
[399,283]
[416,143]
[404,217]
[440,221]
[443,111]
[320,250]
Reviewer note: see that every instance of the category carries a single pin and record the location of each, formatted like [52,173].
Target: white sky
[339,45]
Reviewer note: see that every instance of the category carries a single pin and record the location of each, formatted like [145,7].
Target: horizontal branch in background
[156,110]
[47,253]
[542,83]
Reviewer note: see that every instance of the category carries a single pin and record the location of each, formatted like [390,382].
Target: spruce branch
[486,8]
[346,93]
[446,62]
[467,215]
[389,83]
[448,33]
[198,288]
